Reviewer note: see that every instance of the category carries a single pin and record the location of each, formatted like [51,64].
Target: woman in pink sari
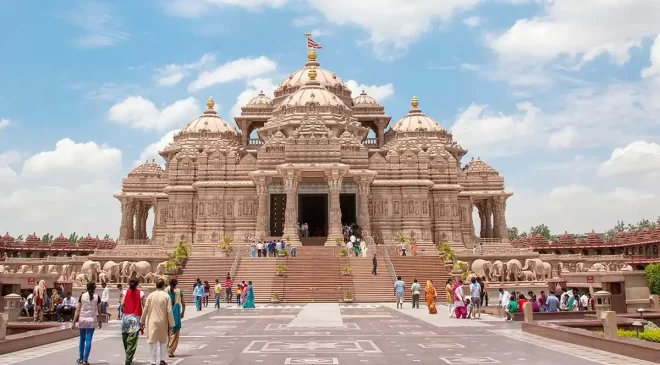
[459,302]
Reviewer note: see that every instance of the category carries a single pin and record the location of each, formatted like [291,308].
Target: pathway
[334,334]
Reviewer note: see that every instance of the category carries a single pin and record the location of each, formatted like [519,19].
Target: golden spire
[312,73]
[311,55]
[414,102]
[210,103]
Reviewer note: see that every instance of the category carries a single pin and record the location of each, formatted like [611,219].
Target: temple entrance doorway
[347,204]
[277,208]
[313,210]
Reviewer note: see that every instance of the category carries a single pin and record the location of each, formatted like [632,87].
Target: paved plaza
[341,334]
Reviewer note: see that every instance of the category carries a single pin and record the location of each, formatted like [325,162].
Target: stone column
[123,228]
[488,215]
[334,180]
[381,135]
[291,182]
[481,207]
[137,224]
[130,215]
[154,203]
[145,216]
[500,207]
[262,194]
[364,220]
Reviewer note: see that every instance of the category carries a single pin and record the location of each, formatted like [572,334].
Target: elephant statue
[124,275]
[528,275]
[112,270]
[72,276]
[139,269]
[535,266]
[481,268]
[104,277]
[91,269]
[41,269]
[626,268]
[24,269]
[51,269]
[547,270]
[580,267]
[151,278]
[598,267]
[513,270]
[82,278]
[65,274]
[160,269]
[497,271]
[562,268]
[4,269]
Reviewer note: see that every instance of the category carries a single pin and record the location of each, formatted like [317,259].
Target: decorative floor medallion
[311,360]
[469,360]
[362,346]
[440,345]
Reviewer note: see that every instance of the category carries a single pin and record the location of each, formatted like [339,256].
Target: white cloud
[138,112]
[172,74]
[563,138]
[100,27]
[9,157]
[637,158]
[580,29]
[654,59]
[74,160]
[488,133]
[253,88]
[305,21]
[242,68]
[151,151]
[380,92]
[472,21]
[199,8]
[397,23]
[579,208]
[4,123]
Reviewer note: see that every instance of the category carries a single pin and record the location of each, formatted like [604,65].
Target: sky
[562,97]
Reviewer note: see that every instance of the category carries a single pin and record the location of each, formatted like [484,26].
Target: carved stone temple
[315,155]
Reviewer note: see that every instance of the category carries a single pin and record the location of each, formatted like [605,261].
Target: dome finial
[312,73]
[414,102]
[210,103]
[311,55]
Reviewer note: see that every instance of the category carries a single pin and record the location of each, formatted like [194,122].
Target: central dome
[209,122]
[313,92]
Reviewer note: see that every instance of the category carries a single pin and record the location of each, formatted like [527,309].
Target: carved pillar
[481,208]
[291,182]
[145,216]
[488,215]
[381,135]
[262,194]
[334,180]
[154,203]
[130,215]
[125,220]
[364,220]
[500,207]
[137,222]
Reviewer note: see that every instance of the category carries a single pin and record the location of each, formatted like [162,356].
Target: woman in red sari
[459,301]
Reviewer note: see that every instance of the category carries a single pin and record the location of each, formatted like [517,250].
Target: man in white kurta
[157,316]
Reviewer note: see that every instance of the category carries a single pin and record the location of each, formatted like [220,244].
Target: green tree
[106,237]
[47,238]
[619,227]
[541,229]
[74,238]
[19,239]
[653,278]
[513,234]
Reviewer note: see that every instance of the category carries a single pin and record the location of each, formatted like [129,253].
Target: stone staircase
[422,268]
[313,241]
[315,276]
[206,268]
[261,271]
[368,288]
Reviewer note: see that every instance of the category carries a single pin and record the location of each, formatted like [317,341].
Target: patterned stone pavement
[365,334]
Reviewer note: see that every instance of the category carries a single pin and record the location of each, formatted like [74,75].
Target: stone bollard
[528,312]
[609,324]
[655,302]
[12,307]
[3,325]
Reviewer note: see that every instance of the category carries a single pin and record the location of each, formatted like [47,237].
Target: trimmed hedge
[647,335]
[653,278]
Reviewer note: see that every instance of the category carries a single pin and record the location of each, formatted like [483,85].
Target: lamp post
[641,312]
[639,327]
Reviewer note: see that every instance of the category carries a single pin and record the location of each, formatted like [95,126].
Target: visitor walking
[363,248]
[399,290]
[449,292]
[198,292]
[374,265]
[552,302]
[248,293]
[429,294]
[178,310]
[403,249]
[105,298]
[415,289]
[121,296]
[504,301]
[86,317]
[157,317]
[39,300]
[218,290]
[228,293]
[130,322]
[460,310]
[475,300]
[207,293]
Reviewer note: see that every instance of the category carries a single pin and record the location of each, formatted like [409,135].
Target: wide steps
[262,272]
[422,268]
[368,288]
[204,268]
[315,279]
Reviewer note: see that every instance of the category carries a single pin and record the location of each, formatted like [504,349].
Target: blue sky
[560,97]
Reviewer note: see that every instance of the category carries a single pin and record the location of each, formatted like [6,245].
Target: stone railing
[118,252]
[390,266]
[44,259]
[487,241]
[138,242]
[237,261]
[580,257]
[496,252]
[371,142]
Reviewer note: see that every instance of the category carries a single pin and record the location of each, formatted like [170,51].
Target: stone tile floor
[370,334]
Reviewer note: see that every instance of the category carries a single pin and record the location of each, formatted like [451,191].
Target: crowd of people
[568,301]
[430,294]
[270,248]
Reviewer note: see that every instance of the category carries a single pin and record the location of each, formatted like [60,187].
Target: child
[513,308]
[239,291]
[121,296]
[468,308]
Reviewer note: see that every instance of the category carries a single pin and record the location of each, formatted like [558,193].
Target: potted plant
[446,252]
[172,265]
[346,270]
[343,252]
[225,246]
[280,270]
[339,241]
[275,298]
[282,253]
[348,297]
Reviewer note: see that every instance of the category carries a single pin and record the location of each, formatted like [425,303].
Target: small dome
[313,92]
[149,168]
[260,100]
[416,121]
[479,166]
[209,122]
[365,100]
[61,240]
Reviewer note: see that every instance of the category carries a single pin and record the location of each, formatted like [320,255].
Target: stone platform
[345,334]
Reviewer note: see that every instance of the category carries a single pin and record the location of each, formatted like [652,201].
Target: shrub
[275,296]
[653,278]
[348,295]
[446,252]
[283,252]
[343,252]
[281,268]
[225,244]
[347,269]
[647,335]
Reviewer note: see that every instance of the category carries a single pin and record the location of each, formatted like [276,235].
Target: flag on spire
[312,44]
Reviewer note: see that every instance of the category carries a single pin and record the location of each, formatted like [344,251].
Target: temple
[314,154]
